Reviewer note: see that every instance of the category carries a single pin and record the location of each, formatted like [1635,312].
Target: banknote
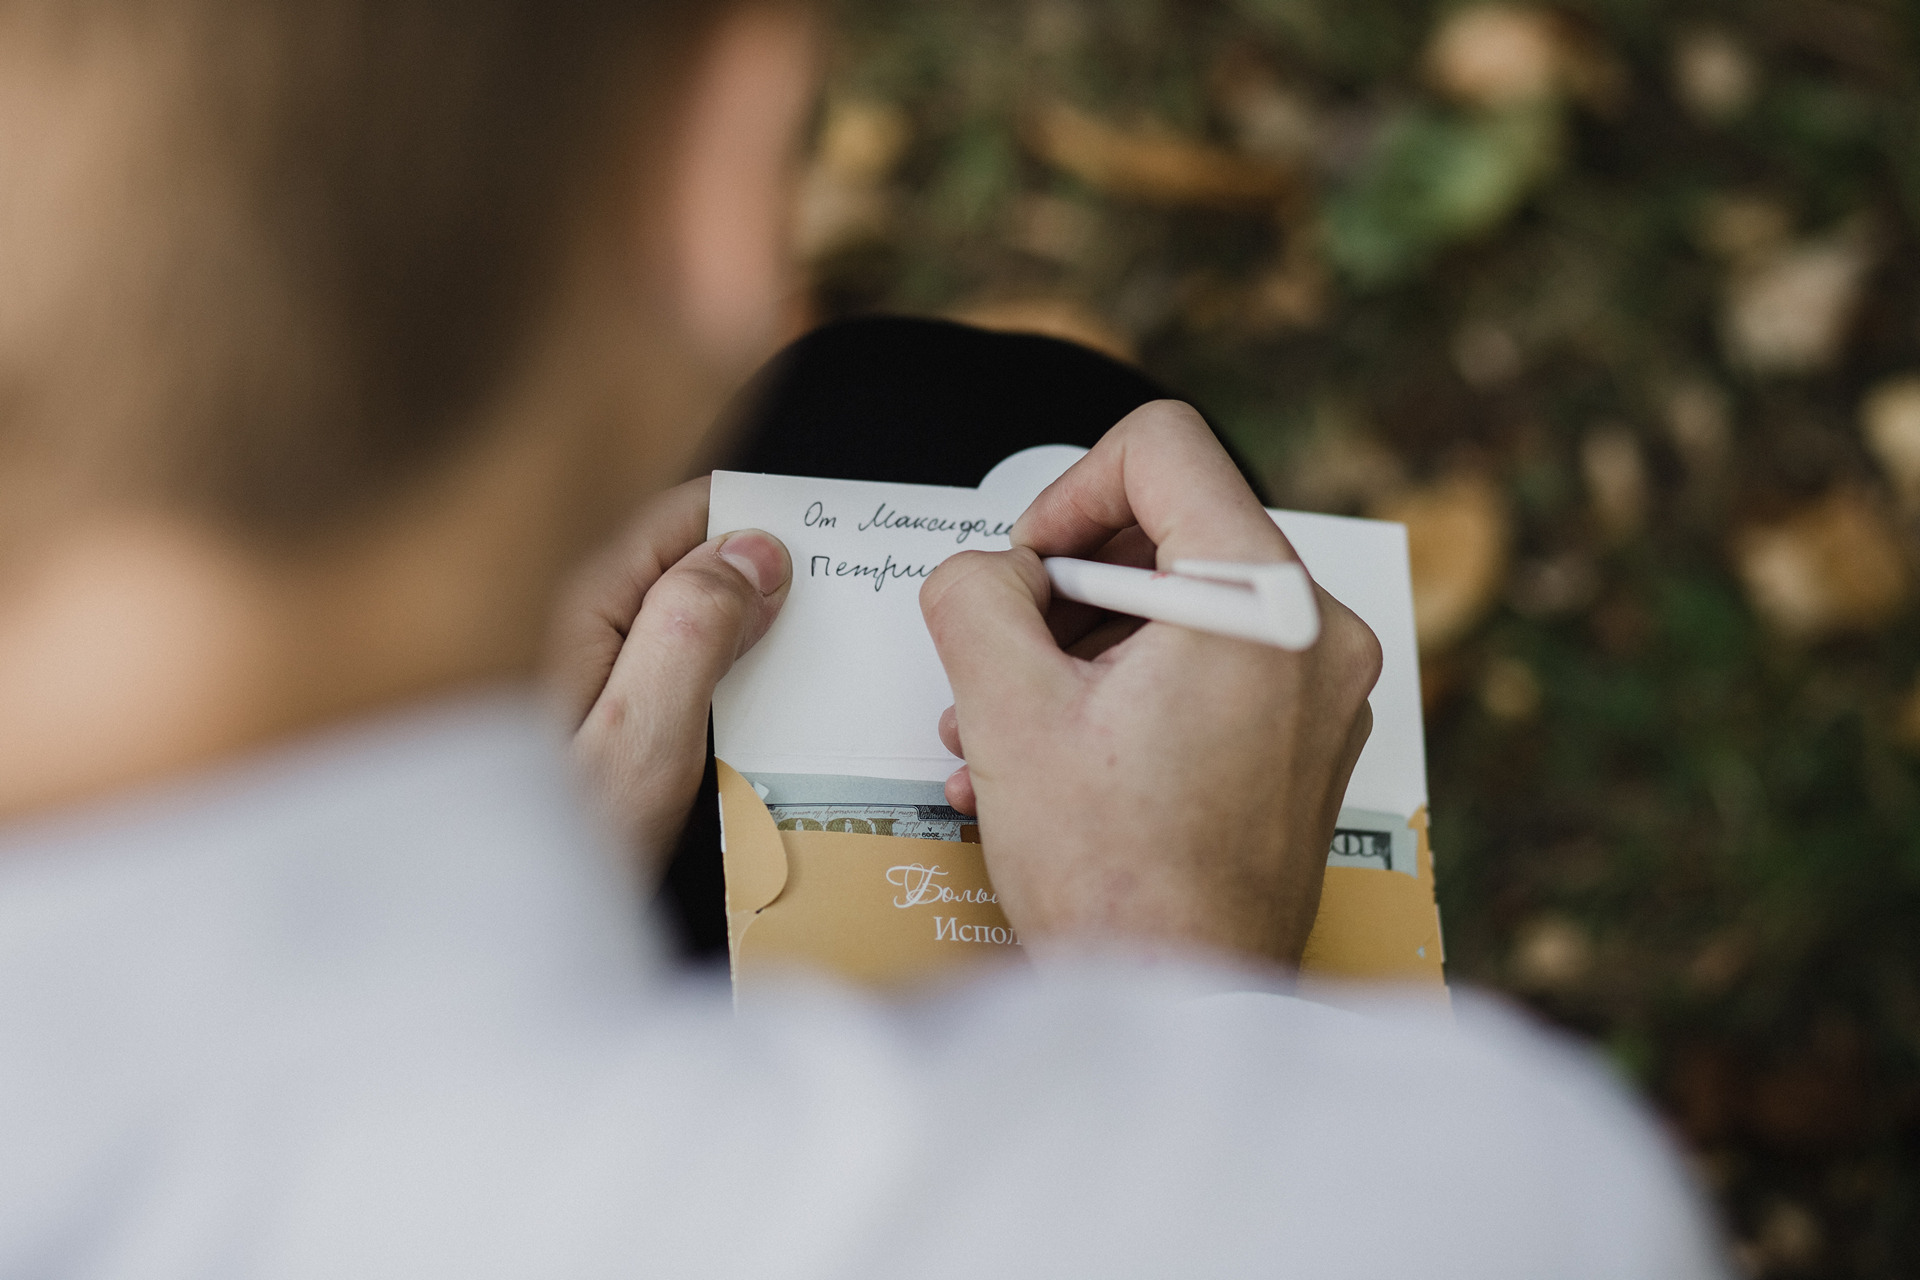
[1361,838]
[913,821]
[1376,841]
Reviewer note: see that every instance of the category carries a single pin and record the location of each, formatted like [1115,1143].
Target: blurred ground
[1614,304]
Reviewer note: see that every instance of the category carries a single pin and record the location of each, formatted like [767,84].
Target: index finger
[1159,468]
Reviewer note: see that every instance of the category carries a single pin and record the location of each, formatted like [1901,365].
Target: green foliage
[1630,749]
[1432,179]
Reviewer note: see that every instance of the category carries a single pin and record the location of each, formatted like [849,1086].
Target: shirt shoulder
[1111,1120]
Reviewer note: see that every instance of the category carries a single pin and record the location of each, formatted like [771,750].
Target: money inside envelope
[863,806]
[914,821]
[918,811]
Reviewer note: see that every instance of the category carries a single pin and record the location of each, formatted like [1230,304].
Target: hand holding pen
[1177,786]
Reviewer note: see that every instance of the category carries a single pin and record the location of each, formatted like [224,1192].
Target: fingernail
[759,557]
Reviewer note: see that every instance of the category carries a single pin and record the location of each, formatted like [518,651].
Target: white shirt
[380,1005]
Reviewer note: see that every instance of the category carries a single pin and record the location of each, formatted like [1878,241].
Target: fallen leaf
[1788,311]
[1701,427]
[1890,422]
[1154,164]
[1552,953]
[1051,317]
[842,197]
[863,139]
[1834,567]
[1268,118]
[1713,75]
[1555,586]
[1498,55]
[1457,536]
[1509,690]
[1616,477]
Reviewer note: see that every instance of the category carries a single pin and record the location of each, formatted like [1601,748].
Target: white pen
[1270,603]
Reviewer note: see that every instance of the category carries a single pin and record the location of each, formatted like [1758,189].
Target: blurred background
[1614,304]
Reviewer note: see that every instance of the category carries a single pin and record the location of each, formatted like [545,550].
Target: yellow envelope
[847,685]
[889,911]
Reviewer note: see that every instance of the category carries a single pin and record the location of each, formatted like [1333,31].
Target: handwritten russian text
[885,517]
[883,573]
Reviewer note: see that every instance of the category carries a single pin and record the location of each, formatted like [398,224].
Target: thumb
[643,743]
[986,611]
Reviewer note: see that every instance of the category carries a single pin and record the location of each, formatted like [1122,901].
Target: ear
[730,205]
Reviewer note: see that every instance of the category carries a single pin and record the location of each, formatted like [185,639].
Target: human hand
[640,640]
[1172,786]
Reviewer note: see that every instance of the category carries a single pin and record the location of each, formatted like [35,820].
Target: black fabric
[918,401]
[909,401]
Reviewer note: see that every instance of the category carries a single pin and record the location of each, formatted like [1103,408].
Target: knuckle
[1360,652]
[606,719]
[958,573]
[1166,416]
[700,604]
[1025,562]
[1170,422]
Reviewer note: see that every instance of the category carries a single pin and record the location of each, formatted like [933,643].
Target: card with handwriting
[839,847]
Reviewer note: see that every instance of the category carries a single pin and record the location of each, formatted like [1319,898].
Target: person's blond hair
[265,258]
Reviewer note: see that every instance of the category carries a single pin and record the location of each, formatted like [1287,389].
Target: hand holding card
[1140,781]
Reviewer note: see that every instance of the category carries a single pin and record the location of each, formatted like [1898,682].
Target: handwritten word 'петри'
[882,574]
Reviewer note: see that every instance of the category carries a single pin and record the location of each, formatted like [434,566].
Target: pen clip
[1283,590]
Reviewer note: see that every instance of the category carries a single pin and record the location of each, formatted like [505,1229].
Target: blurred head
[288,288]
[271,263]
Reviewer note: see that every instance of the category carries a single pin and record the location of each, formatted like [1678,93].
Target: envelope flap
[751,850]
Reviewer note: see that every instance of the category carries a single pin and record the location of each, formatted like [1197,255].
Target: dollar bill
[913,821]
[1362,838]
[1377,841]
